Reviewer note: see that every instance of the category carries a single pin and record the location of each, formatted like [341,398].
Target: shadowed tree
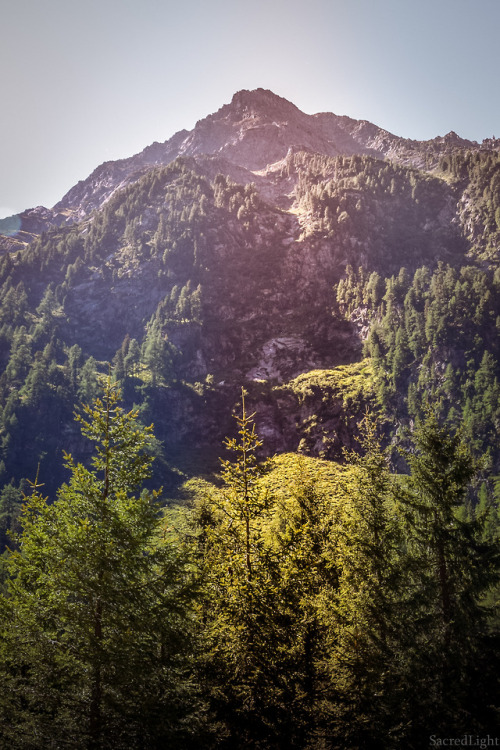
[95,624]
[454,567]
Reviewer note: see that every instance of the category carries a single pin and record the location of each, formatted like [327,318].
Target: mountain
[334,287]
[321,262]
[256,129]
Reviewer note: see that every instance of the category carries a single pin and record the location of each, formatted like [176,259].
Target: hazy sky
[85,81]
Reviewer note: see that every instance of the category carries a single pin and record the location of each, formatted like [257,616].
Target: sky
[86,82]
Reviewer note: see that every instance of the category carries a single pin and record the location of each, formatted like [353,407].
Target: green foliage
[238,593]
[363,615]
[388,212]
[335,606]
[157,354]
[96,612]
[454,566]
[324,604]
[434,338]
[478,173]
[10,509]
[351,383]
[332,403]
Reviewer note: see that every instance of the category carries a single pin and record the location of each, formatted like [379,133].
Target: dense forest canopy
[294,603]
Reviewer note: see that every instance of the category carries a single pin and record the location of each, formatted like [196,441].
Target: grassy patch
[350,383]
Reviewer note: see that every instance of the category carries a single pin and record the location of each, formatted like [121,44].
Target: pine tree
[10,508]
[238,573]
[94,621]
[88,380]
[364,649]
[454,567]
[304,535]
[401,357]
[244,500]
[132,358]
[73,366]
[157,354]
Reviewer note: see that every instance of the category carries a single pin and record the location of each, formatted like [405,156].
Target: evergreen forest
[294,602]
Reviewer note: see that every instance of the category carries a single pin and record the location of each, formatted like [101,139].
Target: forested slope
[349,280]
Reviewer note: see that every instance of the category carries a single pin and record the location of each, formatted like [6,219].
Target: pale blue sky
[83,82]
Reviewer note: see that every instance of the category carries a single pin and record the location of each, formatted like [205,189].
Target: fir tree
[454,567]
[95,618]
[366,615]
[240,597]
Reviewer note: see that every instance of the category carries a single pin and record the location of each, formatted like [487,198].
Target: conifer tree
[10,508]
[239,595]
[366,615]
[157,354]
[454,568]
[95,616]
[132,358]
[304,536]
[88,380]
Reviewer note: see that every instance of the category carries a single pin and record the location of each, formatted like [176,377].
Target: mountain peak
[256,129]
[262,101]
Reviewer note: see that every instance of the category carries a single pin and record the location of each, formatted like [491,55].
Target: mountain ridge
[254,130]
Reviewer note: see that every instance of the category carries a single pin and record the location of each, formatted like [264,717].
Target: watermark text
[466,740]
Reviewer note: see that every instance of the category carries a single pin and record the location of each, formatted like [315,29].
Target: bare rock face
[283,358]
